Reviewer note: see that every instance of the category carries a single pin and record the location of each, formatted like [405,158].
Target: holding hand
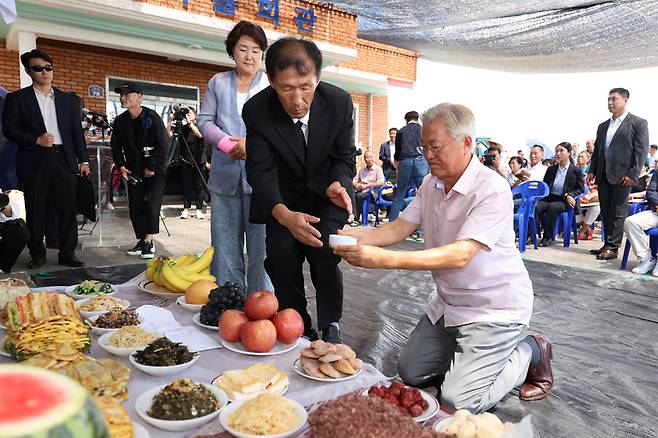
[84,169]
[46,140]
[365,256]
[590,179]
[125,173]
[571,201]
[299,225]
[148,173]
[626,181]
[239,152]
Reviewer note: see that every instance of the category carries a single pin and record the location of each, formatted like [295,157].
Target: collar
[304,119]
[622,117]
[51,93]
[564,168]
[413,121]
[467,179]
[536,165]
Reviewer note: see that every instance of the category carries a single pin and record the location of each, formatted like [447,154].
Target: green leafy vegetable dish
[93,287]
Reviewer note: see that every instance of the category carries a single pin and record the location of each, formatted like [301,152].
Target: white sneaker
[199,214]
[655,271]
[109,206]
[185,214]
[645,266]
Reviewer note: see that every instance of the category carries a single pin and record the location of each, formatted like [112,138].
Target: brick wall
[331,23]
[379,117]
[386,60]
[9,71]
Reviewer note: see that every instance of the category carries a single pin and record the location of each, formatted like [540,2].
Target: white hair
[458,120]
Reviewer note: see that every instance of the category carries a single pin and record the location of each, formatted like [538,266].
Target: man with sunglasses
[45,124]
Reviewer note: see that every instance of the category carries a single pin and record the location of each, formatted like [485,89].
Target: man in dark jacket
[139,146]
[386,153]
[44,122]
[637,224]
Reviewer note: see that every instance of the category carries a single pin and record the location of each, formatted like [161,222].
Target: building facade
[173,47]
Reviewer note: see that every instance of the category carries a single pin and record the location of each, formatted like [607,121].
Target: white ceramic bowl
[88,315]
[104,342]
[70,292]
[100,331]
[144,402]
[223,419]
[338,240]
[196,308]
[161,371]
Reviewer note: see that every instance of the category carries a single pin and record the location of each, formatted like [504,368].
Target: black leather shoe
[608,254]
[72,262]
[598,251]
[36,263]
[544,243]
[332,334]
[311,334]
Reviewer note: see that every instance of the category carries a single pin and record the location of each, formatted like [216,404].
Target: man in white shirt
[473,336]
[537,168]
[13,233]
[652,156]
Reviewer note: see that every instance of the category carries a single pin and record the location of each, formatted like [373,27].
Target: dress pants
[50,196]
[614,209]
[192,186]
[553,206]
[357,203]
[144,202]
[286,255]
[14,235]
[480,363]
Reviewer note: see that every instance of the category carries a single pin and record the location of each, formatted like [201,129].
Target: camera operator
[139,146]
[193,156]
[14,234]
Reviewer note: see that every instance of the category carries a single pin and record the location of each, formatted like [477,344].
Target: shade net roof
[520,35]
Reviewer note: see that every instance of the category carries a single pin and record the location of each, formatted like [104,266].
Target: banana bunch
[177,274]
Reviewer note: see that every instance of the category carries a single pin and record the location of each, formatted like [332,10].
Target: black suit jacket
[23,124]
[279,170]
[627,151]
[574,183]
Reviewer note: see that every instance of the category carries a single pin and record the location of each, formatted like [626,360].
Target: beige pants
[634,226]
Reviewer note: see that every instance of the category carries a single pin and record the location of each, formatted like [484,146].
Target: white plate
[441,424]
[69,291]
[228,410]
[278,348]
[140,431]
[197,320]
[161,371]
[144,402]
[151,287]
[2,347]
[88,315]
[104,341]
[100,331]
[432,405]
[191,307]
[277,392]
[299,369]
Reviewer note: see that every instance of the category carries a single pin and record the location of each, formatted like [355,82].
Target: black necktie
[300,133]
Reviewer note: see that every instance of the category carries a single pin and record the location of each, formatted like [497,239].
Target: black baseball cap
[128,87]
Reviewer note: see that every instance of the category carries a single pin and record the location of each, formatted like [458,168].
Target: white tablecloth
[214,362]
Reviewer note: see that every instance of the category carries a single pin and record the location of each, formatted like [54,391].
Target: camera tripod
[174,147]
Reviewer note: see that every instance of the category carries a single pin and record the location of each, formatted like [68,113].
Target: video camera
[96,119]
[180,112]
[489,160]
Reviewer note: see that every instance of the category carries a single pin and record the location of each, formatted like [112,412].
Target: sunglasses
[40,68]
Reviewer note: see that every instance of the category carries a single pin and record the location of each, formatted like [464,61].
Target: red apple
[258,336]
[261,304]
[289,325]
[230,323]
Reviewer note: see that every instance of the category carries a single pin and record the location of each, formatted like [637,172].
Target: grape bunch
[226,296]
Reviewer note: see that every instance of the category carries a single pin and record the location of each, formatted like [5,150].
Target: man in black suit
[45,124]
[300,164]
[620,149]
[386,153]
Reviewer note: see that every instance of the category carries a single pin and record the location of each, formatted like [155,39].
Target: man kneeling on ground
[473,337]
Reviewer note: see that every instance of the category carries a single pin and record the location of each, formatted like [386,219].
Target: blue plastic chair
[374,193]
[651,232]
[530,192]
[566,223]
[381,203]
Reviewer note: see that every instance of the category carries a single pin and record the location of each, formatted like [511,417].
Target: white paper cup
[338,240]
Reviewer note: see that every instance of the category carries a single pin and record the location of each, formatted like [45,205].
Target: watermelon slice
[39,403]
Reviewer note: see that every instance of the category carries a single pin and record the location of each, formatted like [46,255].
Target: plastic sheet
[111,274]
[531,35]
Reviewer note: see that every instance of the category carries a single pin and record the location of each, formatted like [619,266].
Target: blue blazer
[218,118]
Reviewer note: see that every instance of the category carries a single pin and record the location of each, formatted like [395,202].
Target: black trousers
[553,206]
[14,235]
[284,259]
[50,198]
[614,209]
[357,203]
[192,186]
[144,202]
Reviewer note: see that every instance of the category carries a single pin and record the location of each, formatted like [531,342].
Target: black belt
[57,147]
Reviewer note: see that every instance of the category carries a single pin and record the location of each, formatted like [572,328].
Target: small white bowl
[69,291]
[161,371]
[88,315]
[196,308]
[144,402]
[100,331]
[104,342]
[227,411]
[338,240]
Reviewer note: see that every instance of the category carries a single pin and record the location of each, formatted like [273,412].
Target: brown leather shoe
[598,251]
[608,254]
[539,380]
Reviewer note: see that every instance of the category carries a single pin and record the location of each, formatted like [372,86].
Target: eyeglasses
[40,68]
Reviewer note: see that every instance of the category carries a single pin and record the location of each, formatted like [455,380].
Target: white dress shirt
[15,211]
[537,172]
[49,113]
[304,121]
[558,183]
[612,129]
